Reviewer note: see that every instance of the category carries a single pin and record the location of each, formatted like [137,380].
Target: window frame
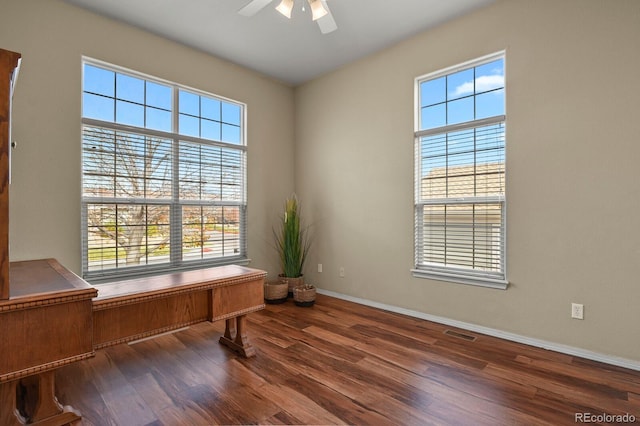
[471,276]
[176,259]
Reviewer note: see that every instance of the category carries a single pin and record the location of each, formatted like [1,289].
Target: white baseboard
[557,347]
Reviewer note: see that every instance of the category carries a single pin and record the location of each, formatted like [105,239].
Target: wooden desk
[54,318]
[45,324]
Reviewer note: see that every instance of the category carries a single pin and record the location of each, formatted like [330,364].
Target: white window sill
[461,279]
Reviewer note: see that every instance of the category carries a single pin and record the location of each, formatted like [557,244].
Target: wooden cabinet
[9,66]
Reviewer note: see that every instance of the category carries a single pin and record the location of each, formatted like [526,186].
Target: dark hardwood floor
[342,363]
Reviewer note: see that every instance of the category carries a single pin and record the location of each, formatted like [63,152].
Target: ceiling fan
[319,10]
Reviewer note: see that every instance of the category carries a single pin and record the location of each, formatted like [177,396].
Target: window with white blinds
[460,218]
[163,175]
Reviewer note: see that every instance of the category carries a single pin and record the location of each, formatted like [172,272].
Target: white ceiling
[293,51]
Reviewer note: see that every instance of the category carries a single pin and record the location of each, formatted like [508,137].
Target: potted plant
[293,243]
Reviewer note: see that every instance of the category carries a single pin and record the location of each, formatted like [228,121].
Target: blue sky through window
[208,118]
[466,95]
[120,98]
[463,96]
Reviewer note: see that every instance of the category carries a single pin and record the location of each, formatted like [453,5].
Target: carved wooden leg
[47,404]
[230,328]
[241,336]
[236,338]
[8,405]
[41,405]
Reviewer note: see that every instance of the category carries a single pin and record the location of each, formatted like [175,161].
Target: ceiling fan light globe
[285,7]
[317,9]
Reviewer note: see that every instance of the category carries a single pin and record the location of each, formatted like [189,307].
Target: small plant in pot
[293,243]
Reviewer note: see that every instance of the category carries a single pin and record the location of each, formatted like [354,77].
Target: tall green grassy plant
[292,240]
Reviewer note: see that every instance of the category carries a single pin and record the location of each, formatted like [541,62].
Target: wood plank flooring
[342,363]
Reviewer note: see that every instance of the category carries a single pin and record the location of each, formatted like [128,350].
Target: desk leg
[9,414]
[235,337]
[40,404]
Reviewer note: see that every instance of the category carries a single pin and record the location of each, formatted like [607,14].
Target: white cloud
[464,89]
[483,83]
[488,82]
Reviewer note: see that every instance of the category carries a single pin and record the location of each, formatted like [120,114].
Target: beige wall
[572,157]
[573,182]
[45,192]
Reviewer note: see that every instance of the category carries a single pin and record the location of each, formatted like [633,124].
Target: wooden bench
[138,308]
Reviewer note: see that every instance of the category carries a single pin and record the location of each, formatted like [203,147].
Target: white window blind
[460,219]
[164,176]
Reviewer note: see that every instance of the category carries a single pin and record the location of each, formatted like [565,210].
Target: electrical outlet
[319,267]
[577,311]
[342,271]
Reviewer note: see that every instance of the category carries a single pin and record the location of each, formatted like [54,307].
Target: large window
[460,174]
[164,176]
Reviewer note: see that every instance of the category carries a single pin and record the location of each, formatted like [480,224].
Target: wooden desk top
[172,283]
[43,281]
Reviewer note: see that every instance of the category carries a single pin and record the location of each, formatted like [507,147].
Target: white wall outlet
[342,271]
[577,311]
[319,267]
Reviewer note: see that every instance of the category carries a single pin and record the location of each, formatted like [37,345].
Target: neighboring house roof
[464,181]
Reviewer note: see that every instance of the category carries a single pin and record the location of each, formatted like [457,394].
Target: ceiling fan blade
[253,7]
[327,24]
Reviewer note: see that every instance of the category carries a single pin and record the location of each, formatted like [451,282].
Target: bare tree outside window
[133,233]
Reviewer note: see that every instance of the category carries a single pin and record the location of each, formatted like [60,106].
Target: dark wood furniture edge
[8,63]
[15,375]
[101,303]
[238,313]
